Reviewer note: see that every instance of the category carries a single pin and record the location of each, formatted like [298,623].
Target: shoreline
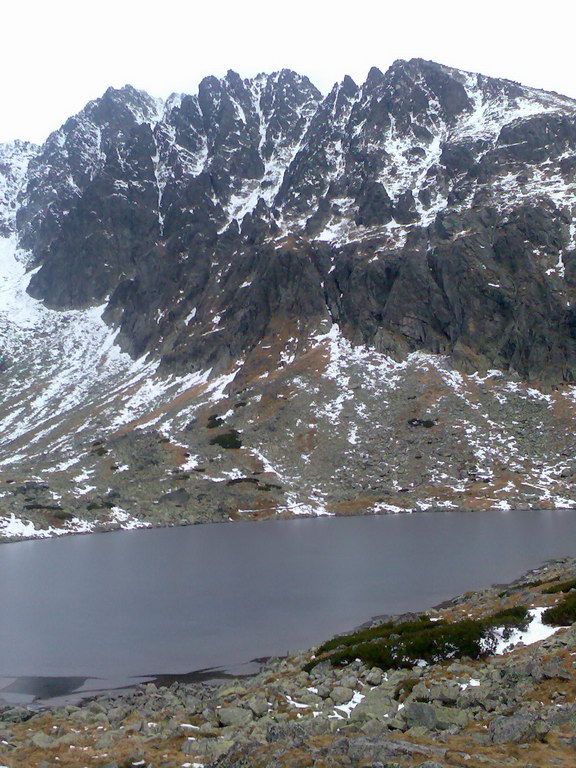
[285,516]
[482,707]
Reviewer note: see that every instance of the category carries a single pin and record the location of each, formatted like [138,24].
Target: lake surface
[102,611]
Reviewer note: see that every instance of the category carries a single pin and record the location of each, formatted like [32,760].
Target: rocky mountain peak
[120,104]
[390,168]
[349,86]
[385,274]
[374,78]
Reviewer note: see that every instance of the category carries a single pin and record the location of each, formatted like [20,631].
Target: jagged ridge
[310,270]
[375,196]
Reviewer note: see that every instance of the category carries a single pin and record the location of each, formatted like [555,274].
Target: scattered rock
[524,726]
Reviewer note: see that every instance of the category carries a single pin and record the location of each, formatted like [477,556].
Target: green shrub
[517,616]
[430,644]
[563,614]
[401,645]
[563,586]
[519,588]
[92,505]
[373,633]
[228,440]
[44,507]
[427,423]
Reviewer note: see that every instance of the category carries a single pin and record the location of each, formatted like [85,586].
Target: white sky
[59,54]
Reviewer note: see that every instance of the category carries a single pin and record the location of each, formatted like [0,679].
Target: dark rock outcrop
[426,209]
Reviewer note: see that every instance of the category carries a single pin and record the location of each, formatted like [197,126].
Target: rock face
[208,303]
[426,209]
[14,160]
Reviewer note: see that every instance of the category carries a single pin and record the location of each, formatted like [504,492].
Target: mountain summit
[211,303]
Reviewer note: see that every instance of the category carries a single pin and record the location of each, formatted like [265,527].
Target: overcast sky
[58,55]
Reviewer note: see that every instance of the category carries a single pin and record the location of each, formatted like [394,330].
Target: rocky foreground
[513,708]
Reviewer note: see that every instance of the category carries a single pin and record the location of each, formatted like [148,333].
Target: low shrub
[43,507]
[563,614]
[519,588]
[431,644]
[214,421]
[373,633]
[403,645]
[516,616]
[92,505]
[228,440]
[427,423]
[563,586]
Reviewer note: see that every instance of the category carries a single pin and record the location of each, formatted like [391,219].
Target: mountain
[260,301]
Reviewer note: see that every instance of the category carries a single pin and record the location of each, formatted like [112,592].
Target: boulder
[292,734]
[363,750]
[257,705]
[376,704]
[234,716]
[212,748]
[445,693]
[341,695]
[430,764]
[42,741]
[433,717]
[524,726]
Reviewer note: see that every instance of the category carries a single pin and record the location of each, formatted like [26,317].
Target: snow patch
[534,632]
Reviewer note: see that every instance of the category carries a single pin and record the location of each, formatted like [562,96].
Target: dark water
[108,610]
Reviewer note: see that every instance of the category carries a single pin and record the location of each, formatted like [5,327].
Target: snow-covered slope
[14,159]
[256,301]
